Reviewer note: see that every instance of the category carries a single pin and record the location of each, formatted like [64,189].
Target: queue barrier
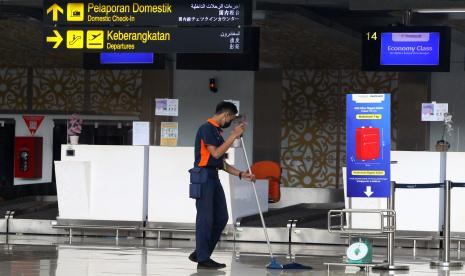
[447,186]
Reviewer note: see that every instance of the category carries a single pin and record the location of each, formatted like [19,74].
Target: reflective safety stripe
[211,121]
[204,154]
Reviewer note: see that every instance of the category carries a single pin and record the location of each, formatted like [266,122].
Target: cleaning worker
[212,212]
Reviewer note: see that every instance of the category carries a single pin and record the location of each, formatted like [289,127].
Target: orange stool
[272,171]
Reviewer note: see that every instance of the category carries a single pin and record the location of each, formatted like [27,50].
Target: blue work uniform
[212,212]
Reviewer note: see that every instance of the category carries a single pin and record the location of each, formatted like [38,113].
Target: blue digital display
[420,48]
[126,58]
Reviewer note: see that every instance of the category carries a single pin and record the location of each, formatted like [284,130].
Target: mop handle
[258,201]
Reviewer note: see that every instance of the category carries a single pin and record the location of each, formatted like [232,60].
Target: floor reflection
[99,257]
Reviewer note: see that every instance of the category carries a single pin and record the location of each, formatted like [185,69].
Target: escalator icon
[74,39]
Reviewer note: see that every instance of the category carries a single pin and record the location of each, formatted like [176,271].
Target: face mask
[226,125]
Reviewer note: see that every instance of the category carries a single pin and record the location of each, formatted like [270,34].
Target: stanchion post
[445,262]
[391,236]
[447,221]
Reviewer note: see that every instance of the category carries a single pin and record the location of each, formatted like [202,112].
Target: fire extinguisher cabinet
[28,157]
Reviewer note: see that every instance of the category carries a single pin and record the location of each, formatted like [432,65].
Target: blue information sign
[368,145]
[409,48]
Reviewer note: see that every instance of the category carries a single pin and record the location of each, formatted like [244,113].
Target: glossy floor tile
[49,255]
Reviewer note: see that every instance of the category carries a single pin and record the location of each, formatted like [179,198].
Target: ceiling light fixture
[451,10]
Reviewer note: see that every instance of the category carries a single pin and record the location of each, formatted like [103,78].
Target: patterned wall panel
[313,122]
[58,90]
[295,41]
[13,89]
[22,45]
[116,92]
[309,128]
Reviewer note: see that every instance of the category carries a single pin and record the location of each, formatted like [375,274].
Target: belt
[212,168]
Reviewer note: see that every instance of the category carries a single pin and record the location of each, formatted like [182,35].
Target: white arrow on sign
[368,191]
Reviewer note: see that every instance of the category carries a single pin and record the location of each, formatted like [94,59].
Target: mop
[274,264]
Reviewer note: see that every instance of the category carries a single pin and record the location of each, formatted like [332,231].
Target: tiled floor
[44,255]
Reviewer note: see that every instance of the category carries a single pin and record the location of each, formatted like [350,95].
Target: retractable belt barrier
[447,186]
[419,186]
[445,260]
[458,185]
[427,185]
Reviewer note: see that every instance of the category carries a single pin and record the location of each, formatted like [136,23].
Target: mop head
[276,265]
[296,266]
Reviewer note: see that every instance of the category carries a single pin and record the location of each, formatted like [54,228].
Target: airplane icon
[95,39]
[94,36]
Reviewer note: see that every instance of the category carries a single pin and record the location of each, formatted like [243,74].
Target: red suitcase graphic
[367,143]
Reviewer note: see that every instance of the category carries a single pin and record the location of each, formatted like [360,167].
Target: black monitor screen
[406,48]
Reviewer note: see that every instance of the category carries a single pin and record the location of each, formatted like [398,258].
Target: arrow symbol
[57,39]
[55,9]
[368,191]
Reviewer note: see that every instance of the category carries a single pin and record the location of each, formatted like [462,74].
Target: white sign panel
[433,112]
[169,134]
[141,133]
[166,107]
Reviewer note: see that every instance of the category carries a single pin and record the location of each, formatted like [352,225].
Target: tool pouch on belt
[198,177]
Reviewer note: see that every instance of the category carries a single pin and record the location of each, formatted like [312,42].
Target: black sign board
[148,13]
[248,60]
[151,39]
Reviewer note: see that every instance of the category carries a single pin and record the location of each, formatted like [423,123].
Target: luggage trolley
[337,224]
[387,219]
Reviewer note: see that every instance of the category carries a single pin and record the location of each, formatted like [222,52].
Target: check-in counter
[168,199]
[102,183]
[142,183]
[455,172]
[418,209]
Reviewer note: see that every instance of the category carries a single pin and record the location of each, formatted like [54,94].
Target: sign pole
[391,238]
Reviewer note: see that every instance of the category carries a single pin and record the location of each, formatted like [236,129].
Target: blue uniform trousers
[212,216]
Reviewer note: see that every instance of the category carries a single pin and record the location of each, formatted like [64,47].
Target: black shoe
[222,265]
[210,264]
[193,257]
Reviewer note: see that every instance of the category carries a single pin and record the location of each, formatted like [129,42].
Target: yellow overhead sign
[75,12]
[75,39]
[55,10]
[146,39]
[142,13]
[57,39]
[95,39]
[133,8]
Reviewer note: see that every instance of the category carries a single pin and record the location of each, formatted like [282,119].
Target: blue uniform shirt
[208,134]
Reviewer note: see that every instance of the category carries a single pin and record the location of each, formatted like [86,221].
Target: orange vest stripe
[204,154]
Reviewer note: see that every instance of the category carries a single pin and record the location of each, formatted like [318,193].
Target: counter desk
[142,184]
